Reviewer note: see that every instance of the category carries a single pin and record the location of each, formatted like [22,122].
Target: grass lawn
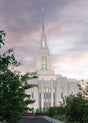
[60,117]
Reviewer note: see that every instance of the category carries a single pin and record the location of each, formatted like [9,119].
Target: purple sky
[66,25]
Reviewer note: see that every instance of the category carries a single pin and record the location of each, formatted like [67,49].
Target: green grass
[64,119]
[60,117]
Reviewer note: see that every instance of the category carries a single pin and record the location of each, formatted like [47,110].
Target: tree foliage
[13,99]
[84,90]
[2,34]
[73,107]
[76,106]
[37,110]
[51,111]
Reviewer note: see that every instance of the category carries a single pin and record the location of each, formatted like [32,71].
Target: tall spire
[43,36]
[43,19]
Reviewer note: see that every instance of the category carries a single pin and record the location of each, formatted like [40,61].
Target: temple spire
[43,36]
[43,19]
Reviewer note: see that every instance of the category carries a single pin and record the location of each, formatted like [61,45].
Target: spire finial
[43,18]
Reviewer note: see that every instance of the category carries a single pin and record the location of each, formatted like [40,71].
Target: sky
[66,25]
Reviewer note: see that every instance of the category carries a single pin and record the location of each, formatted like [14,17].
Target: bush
[51,111]
[76,108]
[37,110]
[61,110]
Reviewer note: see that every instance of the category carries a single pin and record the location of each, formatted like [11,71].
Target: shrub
[37,110]
[51,111]
[61,110]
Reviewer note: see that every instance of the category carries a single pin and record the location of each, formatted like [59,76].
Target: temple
[51,87]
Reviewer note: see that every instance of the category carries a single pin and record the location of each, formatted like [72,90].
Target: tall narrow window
[32,93]
[54,99]
[40,100]
[61,92]
[44,63]
[53,96]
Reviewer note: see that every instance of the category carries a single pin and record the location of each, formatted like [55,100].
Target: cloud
[66,24]
[71,65]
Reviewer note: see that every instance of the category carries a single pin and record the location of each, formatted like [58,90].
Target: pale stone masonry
[51,87]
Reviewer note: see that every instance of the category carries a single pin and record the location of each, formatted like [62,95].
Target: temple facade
[51,87]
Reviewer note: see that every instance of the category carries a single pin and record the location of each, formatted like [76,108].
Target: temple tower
[43,59]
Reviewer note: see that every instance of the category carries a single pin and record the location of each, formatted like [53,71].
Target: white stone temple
[51,87]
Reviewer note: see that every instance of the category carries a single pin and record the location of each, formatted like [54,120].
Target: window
[61,92]
[50,104]
[54,99]
[39,99]
[43,43]
[32,95]
[44,63]
[49,95]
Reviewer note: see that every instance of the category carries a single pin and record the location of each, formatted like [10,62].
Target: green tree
[51,111]
[2,34]
[76,108]
[61,110]
[13,99]
[84,91]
